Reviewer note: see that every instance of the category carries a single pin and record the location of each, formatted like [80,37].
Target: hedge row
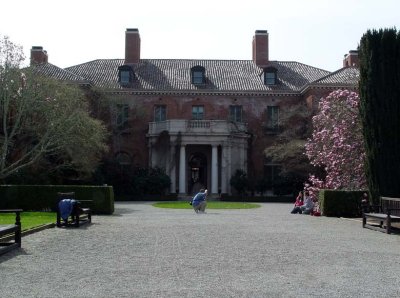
[340,202]
[44,197]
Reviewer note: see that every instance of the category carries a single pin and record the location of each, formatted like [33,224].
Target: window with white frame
[270,76]
[197,112]
[198,75]
[272,119]
[160,113]
[122,115]
[235,113]
[125,75]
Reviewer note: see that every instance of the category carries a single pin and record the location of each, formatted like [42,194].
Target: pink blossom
[336,144]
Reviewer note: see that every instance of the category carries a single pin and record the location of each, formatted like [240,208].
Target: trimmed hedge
[44,197]
[340,202]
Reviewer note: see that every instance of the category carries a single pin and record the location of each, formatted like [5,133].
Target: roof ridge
[334,73]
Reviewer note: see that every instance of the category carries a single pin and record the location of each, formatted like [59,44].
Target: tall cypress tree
[379,87]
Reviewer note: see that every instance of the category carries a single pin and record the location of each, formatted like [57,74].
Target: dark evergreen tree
[379,53]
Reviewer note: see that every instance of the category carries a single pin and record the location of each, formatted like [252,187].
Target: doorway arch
[197,172]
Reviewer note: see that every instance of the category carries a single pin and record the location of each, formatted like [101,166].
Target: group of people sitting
[303,204]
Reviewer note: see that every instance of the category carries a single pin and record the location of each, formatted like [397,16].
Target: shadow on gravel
[9,255]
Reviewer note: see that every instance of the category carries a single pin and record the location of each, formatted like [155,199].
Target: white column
[182,170]
[214,169]
[172,167]
[223,169]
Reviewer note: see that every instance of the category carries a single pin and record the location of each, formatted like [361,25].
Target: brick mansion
[199,120]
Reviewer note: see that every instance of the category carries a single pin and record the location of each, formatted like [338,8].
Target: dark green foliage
[239,181]
[155,181]
[131,182]
[287,184]
[379,53]
[262,185]
[44,197]
[340,202]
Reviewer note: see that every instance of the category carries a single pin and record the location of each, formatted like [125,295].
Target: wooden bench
[10,230]
[81,212]
[383,215]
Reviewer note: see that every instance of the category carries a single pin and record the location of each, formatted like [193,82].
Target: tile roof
[343,76]
[56,72]
[221,75]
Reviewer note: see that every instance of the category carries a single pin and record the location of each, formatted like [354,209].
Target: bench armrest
[11,210]
[86,202]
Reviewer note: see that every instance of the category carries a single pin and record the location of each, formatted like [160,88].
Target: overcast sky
[314,32]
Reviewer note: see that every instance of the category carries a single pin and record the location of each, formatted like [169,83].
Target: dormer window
[270,77]
[125,75]
[198,75]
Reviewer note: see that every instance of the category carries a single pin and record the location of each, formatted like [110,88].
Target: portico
[198,153]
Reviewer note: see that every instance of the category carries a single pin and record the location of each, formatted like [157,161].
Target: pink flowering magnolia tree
[336,144]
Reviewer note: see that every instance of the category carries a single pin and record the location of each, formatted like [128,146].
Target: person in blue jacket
[199,201]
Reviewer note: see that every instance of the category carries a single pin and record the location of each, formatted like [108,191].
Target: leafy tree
[379,86]
[337,144]
[288,150]
[44,123]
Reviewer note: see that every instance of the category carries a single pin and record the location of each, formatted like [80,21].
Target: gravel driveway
[142,251]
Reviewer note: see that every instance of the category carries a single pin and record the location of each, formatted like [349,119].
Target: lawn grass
[29,219]
[210,205]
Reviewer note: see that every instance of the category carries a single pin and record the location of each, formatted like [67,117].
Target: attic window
[198,75]
[270,77]
[125,75]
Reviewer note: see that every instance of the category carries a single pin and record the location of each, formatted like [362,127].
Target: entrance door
[198,172]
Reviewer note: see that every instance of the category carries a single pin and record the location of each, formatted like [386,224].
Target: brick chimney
[351,59]
[38,55]
[132,46]
[260,48]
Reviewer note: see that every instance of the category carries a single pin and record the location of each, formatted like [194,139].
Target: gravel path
[142,251]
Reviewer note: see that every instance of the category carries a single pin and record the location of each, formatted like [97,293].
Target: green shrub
[44,197]
[239,181]
[340,202]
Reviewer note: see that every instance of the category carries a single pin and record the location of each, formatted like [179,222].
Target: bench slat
[8,229]
[382,216]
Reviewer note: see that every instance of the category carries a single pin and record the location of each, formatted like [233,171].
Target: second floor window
[273,118]
[235,113]
[197,112]
[122,115]
[160,113]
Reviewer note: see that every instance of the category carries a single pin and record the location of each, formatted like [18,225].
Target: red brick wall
[215,108]
[38,55]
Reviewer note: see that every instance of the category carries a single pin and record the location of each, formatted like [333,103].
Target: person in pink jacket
[298,203]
